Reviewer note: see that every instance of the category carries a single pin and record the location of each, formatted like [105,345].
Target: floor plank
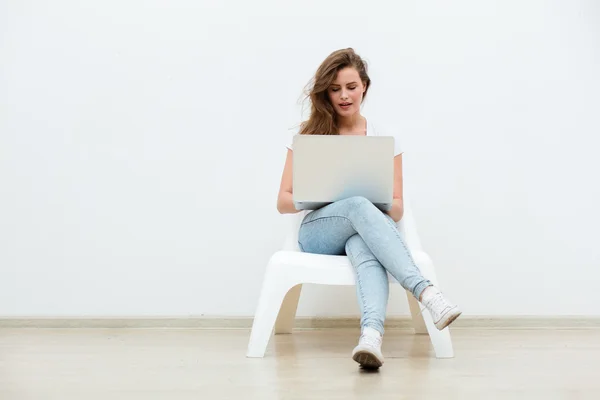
[313,364]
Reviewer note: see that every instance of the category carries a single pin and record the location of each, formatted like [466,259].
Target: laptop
[328,168]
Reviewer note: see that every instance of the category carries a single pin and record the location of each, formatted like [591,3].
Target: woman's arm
[285,201]
[397,210]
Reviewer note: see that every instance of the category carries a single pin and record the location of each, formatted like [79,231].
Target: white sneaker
[441,310]
[368,352]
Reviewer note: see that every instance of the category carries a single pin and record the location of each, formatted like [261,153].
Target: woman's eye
[352,88]
[334,90]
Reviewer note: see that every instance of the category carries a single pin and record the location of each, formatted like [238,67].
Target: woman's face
[346,92]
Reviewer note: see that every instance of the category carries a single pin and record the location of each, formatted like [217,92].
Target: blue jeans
[372,242]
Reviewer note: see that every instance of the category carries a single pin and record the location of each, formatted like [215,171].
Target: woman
[354,226]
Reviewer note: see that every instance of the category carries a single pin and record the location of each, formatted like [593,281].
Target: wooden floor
[87,364]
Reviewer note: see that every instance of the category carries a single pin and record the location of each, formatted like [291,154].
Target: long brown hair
[323,118]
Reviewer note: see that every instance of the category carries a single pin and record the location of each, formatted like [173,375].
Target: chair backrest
[406,226]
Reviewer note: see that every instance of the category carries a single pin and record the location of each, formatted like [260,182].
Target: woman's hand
[397,210]
[285,200]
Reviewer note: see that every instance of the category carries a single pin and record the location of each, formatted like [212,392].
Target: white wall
[141,149]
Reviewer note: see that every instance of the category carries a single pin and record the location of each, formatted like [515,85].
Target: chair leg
[441,340]
[417,317]
[274,289]
[287,313]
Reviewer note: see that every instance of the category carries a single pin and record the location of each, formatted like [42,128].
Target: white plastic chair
[289,268]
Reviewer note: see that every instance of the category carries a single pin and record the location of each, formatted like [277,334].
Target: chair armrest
[408,228]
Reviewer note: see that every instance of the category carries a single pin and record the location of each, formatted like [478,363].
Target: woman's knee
[359,204]
[357,201]
[361,208]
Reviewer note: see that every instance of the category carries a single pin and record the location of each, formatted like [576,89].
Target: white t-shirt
[373,129]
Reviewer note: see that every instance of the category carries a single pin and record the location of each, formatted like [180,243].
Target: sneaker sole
[367,359]
[448,318]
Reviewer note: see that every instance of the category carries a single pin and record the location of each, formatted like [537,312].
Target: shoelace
[370,340]
[438,303]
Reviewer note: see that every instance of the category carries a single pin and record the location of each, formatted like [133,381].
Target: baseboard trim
[400,322]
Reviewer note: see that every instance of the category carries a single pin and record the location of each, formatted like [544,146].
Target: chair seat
[317,268]
[310,260]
